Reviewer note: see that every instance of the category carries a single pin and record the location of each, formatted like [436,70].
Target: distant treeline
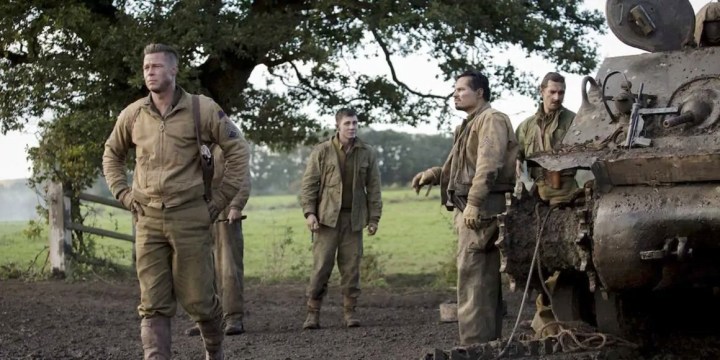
[400,156]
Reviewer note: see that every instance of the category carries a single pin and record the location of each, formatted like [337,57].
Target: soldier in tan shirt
[478,171]
[173,241]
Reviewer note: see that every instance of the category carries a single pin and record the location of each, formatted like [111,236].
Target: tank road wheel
[610,313]
[572,300]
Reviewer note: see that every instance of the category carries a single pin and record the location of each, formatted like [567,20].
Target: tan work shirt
[482,160]
[167,168]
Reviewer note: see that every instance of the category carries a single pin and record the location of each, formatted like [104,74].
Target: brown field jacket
[321,189]
[481,162]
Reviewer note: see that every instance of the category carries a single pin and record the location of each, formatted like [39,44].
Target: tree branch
[15,58]
[386,51]
[307,82]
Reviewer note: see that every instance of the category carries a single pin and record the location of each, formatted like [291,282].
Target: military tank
[647,133]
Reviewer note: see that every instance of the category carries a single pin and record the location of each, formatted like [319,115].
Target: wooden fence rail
[61,226]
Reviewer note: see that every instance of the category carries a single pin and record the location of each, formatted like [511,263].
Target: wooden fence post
[59,235]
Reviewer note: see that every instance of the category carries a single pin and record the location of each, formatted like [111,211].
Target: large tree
[76,63]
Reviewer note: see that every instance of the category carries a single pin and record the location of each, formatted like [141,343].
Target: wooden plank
[101,200]
[664,170]
[101,232]
[59,237]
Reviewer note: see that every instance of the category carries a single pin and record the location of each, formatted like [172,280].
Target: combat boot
[212,335]
[313,314]
[349,305]
[234,327]
[156,338]
[193,331]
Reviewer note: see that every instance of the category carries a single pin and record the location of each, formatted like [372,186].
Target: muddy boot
[193,331]
[212,335]
[156,338]
[349,305]
[313,314]
[234,327]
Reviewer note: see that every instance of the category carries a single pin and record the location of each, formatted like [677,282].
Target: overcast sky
[13,146]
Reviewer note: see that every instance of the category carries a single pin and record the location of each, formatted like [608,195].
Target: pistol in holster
[208,169]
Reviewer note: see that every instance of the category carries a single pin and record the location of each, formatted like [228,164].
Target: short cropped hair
[343,112]
[162,48]
[477,81]
[551,76]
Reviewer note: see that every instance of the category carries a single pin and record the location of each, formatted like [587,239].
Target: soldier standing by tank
[167,198]
[340,195]
[473,180]
[229,252]
[544,131]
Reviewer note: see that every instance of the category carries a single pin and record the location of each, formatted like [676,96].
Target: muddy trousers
[346,245]
[174,263]
[229,268]
[478,285]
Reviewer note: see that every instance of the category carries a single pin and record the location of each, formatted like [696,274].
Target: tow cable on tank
[568,339]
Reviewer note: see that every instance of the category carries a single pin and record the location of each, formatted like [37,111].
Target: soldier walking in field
[169,200]
[340,196]
[229,252]
[478,171]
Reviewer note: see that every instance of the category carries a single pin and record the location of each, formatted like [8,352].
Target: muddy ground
[97,320]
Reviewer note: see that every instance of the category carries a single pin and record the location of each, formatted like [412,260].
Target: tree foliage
[76,63]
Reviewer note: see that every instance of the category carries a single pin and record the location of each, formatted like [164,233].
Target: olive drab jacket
[321,191]
[541,132]
[545,132]
[481,162]
[167,169]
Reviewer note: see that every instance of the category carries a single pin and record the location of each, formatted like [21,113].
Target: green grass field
[414,237]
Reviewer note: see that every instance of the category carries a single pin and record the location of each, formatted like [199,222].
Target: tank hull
[657,237]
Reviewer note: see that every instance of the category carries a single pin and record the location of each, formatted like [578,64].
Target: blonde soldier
[229,252]
[544,131]
[173,241]
[340,195]
[473,180]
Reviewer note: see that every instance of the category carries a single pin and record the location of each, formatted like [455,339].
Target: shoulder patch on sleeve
[231,129]
[221,114]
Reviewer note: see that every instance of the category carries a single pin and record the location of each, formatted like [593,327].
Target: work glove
[423,178]
[471,215]
[213,210]
[372,228]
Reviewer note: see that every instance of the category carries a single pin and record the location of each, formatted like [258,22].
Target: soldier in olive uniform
[478,171]
[340,195]
[544,131]
[229,252]
[173,240]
